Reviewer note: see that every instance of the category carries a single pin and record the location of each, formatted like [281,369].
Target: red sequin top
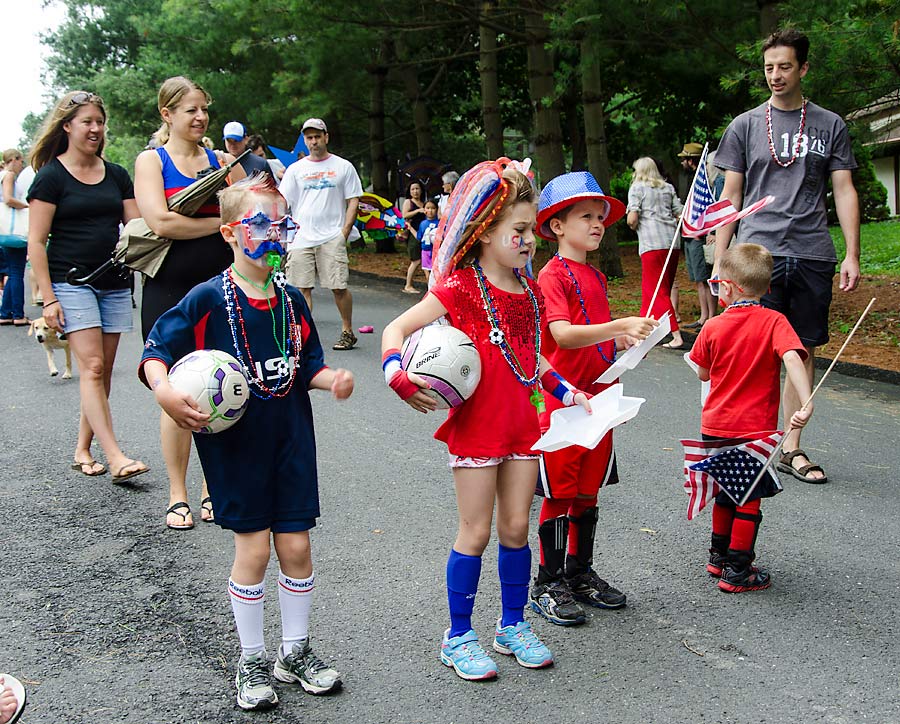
[498,419]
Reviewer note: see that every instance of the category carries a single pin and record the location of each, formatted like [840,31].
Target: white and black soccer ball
[215,380]
[447,359]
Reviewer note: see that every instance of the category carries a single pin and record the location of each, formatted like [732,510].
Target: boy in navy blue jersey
[262,471]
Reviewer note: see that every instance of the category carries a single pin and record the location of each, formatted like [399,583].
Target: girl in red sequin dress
[485,240]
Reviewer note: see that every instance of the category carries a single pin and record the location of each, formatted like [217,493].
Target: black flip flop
[174,509]
[203,503]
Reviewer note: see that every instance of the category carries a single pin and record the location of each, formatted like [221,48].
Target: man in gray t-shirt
[789,148]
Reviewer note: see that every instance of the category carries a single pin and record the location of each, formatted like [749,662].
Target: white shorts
[461,461]
[328,260]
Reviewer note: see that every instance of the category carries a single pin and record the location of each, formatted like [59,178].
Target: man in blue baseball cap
[235,137]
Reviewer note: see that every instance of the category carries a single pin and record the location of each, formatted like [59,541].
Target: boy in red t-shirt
[740,352]
[574,212]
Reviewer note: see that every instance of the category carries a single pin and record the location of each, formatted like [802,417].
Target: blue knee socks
[514,565]
[463,573]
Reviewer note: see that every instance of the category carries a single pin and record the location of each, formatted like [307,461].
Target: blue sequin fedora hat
[569,189]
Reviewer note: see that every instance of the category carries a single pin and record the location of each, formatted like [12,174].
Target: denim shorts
[85,308]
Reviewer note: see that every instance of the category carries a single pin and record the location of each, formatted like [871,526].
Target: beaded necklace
[286,345]
[581,302]
[745,303]
[498,338]
[795,154]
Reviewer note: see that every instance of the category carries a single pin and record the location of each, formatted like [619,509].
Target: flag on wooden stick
[731,466]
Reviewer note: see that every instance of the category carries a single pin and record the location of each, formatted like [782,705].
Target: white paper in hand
[630,358]
[574,426]
[704,386]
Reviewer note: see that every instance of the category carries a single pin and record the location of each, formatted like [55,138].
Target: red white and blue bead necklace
[795,154]
[288,343]
[498,338]
[583,308]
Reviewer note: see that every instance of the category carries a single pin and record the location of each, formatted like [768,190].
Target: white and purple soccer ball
[447,359]
[215,380]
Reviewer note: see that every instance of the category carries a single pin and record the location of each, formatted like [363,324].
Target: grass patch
[879,247]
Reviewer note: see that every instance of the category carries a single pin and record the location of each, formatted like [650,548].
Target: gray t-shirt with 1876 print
[795,223]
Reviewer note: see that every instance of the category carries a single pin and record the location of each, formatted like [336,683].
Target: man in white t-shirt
[323,192]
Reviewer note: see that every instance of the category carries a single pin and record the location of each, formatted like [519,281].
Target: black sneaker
[346,341]
[741,580]
[554,601]
[717,561]
[589,588]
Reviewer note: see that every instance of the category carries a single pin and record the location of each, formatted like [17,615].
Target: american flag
[703,214]
[729,465]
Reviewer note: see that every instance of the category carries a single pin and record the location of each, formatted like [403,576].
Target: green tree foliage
[670,72]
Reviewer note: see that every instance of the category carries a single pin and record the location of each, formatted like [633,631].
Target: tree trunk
[420,113]
[377,71]
[570,102]
[547,135]
[768,16]
[490,93]
[595,141]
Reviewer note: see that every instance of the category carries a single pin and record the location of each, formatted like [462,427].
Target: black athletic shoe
[554,601]
[717,561]
[589,588]
[740,580]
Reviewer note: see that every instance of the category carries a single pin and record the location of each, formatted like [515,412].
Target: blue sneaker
[520,641]
[466,657]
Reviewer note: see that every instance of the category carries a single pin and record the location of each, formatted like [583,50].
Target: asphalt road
[110,617]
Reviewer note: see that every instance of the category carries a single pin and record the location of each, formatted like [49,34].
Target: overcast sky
[23,22]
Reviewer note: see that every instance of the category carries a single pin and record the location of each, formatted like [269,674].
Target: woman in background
[653,211]
[76,203]
[198,251]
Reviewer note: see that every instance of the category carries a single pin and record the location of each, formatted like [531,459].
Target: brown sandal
[785,465]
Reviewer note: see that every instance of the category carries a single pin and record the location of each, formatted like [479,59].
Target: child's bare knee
[472,539]
[293,549]
[513,530]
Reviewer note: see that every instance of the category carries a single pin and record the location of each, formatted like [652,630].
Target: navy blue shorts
[260,472]
[801,291]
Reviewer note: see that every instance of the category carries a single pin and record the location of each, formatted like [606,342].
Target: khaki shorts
[328,260]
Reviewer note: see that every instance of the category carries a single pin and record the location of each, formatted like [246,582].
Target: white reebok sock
[295,599]
[247,605]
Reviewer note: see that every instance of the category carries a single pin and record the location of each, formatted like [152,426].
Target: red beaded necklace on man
[796,152]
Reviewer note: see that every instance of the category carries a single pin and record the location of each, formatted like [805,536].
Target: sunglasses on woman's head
[81,98]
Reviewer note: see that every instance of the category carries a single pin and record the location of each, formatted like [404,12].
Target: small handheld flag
[703,214]
[731,466]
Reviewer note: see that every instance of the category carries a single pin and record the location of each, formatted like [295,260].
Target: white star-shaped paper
[574,426]
[630,358]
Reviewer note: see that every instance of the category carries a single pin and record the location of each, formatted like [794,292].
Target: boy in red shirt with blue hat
[574,212]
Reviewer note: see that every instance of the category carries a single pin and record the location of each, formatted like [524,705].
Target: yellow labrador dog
[50,341]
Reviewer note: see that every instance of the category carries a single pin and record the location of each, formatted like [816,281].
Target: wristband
[401,384]
[396,376]
[55,301]
[553,382]
[390,364]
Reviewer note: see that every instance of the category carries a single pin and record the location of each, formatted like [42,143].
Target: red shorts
[575,470]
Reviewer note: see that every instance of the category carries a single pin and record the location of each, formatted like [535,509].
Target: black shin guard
[554,536]
[587,530]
